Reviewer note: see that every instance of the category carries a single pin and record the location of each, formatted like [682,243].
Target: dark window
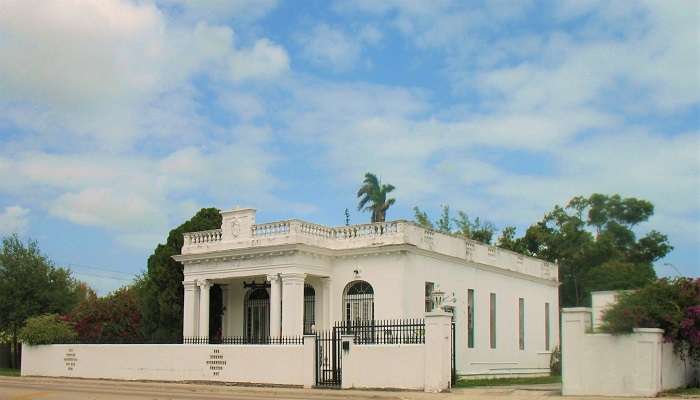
[492,309]
[309,309]
[521,323]
[429,286]
[470,318]
[546,326]
[358,300]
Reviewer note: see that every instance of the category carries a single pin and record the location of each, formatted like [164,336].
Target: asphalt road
[28,388]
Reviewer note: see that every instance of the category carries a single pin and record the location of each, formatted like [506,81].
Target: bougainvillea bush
[115,318]
[670,304]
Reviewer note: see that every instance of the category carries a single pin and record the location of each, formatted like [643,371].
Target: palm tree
[372,196]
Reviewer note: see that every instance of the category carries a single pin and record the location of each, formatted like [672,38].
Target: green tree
[373,197]
[481,231]
[161,288]
[508,241]
[478,230]
[594,243]
[31,285]
[422,218]
[47,329]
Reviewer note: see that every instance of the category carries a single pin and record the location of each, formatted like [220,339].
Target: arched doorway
[309,309]
[358,302]
[256,308]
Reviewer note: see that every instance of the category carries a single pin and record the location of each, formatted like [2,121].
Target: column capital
[189,284]
[204,284]
[273,277]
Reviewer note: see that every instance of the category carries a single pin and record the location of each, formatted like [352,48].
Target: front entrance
[328,358]
[257,315]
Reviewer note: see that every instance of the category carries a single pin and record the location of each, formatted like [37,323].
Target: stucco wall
[283,364]
[456,278]
[384,366]
[637,364]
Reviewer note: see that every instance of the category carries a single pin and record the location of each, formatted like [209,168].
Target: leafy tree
[115,318]
[47,329]
[422,218]
[373,197]
[444,223]
[670,304]
[161,286]
[508,241]
[481,231]
[463,226]
[593,241]
[31,285]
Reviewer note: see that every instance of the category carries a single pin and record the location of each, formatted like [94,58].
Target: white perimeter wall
[384,366]
[637,364]
[273,364]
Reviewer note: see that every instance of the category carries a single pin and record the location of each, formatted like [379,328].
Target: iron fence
[243,340]
[396,331]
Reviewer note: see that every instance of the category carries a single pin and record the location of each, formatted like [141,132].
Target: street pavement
[29,388]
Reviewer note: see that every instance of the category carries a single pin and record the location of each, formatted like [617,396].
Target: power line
[82,266]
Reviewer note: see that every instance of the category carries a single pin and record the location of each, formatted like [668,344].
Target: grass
[9,372]
[467,383]
[690,392]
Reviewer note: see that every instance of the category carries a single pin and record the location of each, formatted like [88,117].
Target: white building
[291,277]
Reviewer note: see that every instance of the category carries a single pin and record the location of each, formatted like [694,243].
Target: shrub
[115,318]
[555,362]
[669,304]
[47,329]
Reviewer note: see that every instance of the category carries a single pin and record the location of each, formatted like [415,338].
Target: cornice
[305,249]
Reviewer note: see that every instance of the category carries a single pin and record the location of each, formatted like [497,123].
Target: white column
[293,304]
[327,304]
[275,305]
[190,309]
[204,286]
[226,314]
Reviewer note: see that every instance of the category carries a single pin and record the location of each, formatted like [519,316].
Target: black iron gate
[328,358]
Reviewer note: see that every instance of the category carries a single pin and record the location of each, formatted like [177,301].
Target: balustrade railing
[271,229]
[210,236]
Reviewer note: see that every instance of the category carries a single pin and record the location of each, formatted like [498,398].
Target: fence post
[348,379]
[309,363]
[438,359]
[575,322]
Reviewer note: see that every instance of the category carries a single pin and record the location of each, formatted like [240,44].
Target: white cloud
[334,48]
[265,60]
[330,47]
[14,219]
[113,72]
[108,208]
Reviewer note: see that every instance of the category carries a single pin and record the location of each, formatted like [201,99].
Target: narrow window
[521,323]
[546,326]
[429,286]
[492,307]
[470,318]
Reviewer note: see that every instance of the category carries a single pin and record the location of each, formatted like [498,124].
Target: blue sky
[119,119]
